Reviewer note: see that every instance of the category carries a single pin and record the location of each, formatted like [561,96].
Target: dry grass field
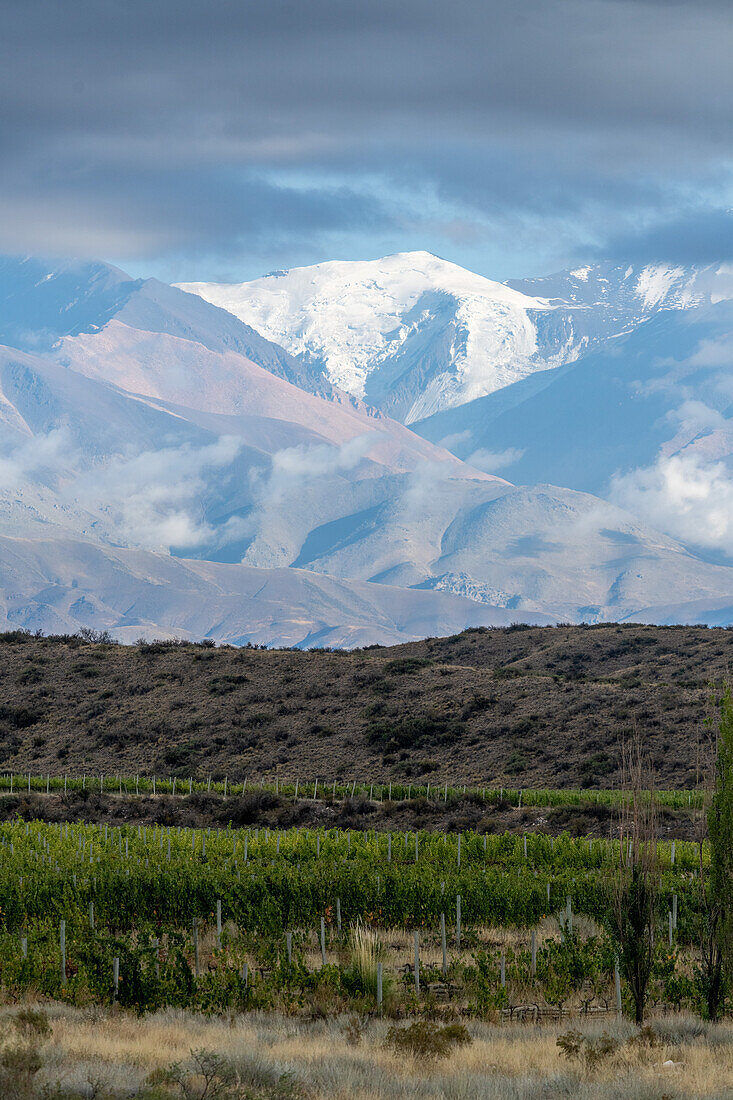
[517,706]
[105,1055]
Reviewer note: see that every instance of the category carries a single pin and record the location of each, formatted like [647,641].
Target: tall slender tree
[634,898]
[718,954]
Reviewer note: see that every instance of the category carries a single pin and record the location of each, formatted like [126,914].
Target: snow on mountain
[663,389]
[317,488]
[198,383]
[190,484]
[409,333]
[170,443]
[620,296]
[44,300]
[643,418]
[415,335]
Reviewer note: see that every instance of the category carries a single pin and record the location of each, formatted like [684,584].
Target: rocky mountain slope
[164,470]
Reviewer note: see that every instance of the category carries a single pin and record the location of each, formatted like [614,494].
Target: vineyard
[334,789]
[395,922]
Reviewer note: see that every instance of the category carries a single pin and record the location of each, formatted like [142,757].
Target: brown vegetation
[110,1055]
[265,808]
[518,706]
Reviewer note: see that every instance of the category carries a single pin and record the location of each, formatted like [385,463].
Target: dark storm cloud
[150,127]
[697,237]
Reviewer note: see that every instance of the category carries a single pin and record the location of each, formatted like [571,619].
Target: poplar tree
[720,831]
[634,894]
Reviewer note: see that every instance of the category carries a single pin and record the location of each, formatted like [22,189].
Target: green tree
[718,948]
[634,893]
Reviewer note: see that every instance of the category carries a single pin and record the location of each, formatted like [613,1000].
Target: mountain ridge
[146,420]
[417,335]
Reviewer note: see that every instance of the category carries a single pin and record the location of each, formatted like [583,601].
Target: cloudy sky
[223,139]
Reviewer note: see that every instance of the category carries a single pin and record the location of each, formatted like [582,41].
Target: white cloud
[294,465]
[422,485]
[450,442]
[48,453]
[684,495]
[153,499]
[491,461]
[712,353]
[695,416]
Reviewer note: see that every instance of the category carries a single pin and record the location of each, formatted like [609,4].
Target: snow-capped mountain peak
[411,333]
[416,335]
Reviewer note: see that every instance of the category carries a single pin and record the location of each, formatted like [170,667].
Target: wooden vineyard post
[62,945]
[323,941]
[458,920]
[443,944]
[617,985]
[115,977]
[534,953]
[417,963]
[289,946]
[196,946]
[218,925]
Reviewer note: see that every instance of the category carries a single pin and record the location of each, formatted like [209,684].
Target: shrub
[249,808]
[21,1060]
[403,666]
[224,685]
[19,717]
[582,1048]
[411,733]
[427,1040]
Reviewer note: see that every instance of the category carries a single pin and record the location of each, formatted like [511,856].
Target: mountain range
[321,456]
